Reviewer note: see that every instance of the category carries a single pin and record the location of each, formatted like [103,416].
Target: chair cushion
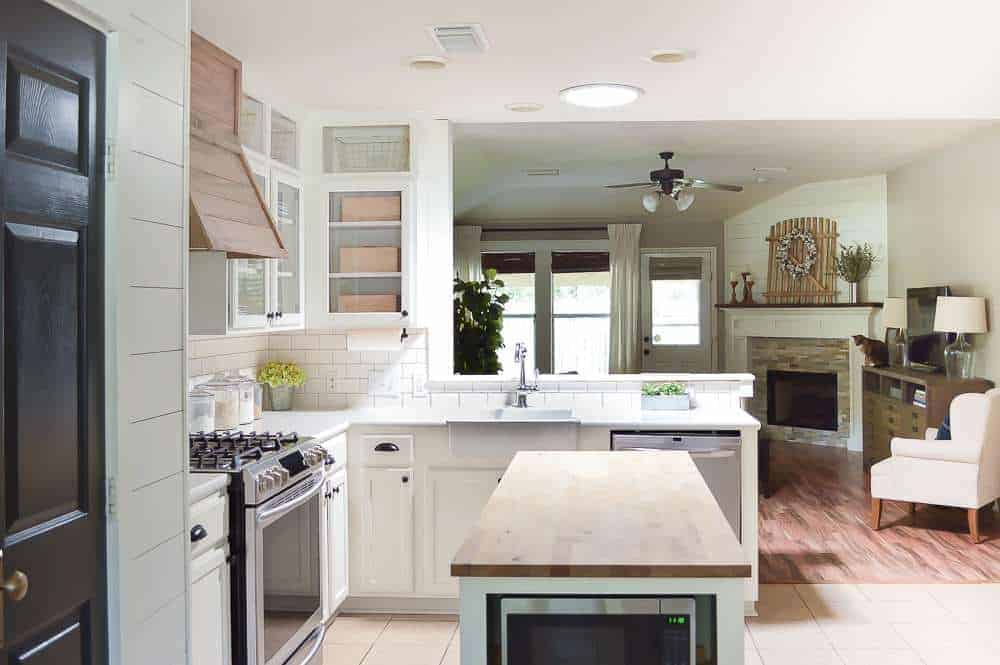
[927,481]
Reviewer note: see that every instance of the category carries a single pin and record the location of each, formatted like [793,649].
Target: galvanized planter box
[666,402]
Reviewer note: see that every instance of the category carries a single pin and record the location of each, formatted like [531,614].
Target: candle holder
[747,288]
[732,285]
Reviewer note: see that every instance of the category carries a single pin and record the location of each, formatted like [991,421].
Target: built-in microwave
[597,631]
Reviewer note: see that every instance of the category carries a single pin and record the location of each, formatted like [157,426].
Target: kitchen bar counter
[602,514]
[324,424]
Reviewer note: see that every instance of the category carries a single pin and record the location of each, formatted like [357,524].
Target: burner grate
[230,451]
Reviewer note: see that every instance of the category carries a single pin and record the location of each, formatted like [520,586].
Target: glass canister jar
[258,400]
[246,388]
[227,401]
[201,411]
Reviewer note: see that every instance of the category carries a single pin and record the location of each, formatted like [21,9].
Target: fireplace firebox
[802,399]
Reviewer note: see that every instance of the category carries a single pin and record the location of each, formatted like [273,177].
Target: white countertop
[325,424]
[202,485]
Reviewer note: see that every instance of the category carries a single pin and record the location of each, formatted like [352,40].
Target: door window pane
[675,308]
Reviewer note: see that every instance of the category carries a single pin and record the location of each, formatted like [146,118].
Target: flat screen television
[925,346]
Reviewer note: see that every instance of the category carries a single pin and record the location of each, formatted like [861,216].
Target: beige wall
[671,233]
[944,229]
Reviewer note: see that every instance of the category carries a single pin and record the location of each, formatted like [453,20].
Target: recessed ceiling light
[770,169]
[428,62]
[524,107]
[668,56]
[600,95]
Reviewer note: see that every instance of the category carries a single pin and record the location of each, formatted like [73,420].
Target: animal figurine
[876,352]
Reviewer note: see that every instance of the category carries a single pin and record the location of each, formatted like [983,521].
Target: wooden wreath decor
[801,262]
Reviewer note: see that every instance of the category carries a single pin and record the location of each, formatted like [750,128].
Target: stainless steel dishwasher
[715,453]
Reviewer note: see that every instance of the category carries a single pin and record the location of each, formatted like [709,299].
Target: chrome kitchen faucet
[521,356]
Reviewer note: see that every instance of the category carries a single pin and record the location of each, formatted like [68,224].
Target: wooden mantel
[843,305]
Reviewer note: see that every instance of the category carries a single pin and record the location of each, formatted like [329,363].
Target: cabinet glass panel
[286,273]
[247,302]
[252,124]
[372,149]
[353,295]
[284,140]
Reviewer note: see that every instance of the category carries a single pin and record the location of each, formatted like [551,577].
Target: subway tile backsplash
[340,379]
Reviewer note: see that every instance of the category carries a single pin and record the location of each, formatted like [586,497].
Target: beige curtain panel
[624,348]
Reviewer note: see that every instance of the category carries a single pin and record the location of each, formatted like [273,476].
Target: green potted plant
[478,316]
[280,378]
[665,397]
[853,264]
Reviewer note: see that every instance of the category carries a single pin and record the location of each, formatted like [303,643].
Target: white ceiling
[490,159]
[769,59]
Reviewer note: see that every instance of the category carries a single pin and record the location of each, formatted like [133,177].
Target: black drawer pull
[198,532]
[406,479]
[387,447]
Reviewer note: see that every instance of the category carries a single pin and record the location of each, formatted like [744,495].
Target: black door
[51,281]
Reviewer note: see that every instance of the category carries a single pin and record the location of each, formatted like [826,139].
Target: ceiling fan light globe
[651,201]
[683,200]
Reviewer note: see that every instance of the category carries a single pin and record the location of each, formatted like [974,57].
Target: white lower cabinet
[386,527]
[453,502]
[210,609]
[335,557]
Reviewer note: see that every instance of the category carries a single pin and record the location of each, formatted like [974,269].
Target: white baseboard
[389,605]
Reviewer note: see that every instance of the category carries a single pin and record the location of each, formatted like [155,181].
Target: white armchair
[963,472]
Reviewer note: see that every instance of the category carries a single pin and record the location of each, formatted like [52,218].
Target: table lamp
[894,318]
[962,316]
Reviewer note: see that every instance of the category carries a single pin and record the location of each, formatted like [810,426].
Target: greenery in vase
[663,389]
[478,314]
[277,374]
[855,262]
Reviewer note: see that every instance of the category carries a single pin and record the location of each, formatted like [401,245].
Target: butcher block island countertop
[602,514]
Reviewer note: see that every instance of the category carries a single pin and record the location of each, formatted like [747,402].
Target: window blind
[509,263]
[563,262]
[680,267]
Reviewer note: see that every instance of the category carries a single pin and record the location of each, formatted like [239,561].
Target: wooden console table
[889,409]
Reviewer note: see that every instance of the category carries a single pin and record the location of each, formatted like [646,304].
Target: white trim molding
[741,325]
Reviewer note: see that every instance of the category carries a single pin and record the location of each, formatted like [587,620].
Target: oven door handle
[318,633]
[294,503]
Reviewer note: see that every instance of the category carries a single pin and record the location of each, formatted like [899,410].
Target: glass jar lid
[219,381]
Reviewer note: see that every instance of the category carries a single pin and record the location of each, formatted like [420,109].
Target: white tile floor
[802,624]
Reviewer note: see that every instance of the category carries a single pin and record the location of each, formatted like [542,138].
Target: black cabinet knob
[646,339]
[645,352]
[198,532]
[270,315]
[406,479]
[405,313]
[336,490]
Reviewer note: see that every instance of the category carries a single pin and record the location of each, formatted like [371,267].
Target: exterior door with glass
[677,310]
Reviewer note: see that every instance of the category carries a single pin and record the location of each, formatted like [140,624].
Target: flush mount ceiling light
[600,95]
[524,107]
[428,62]
[669,56]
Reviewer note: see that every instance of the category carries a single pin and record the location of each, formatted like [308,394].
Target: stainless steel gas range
[275,531]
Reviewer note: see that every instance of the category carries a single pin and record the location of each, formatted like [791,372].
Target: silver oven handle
[318,633]
[294,503]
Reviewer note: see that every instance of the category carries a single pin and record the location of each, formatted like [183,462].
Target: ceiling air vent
[541,172]
[459,38]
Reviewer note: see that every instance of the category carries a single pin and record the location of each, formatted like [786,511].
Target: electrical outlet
[331,384]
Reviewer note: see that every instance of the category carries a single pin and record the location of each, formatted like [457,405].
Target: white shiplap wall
[858,205]
[146,280]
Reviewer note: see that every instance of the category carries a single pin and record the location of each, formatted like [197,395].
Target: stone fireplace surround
[806,324]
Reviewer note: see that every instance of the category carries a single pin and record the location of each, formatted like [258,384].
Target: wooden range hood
[228,210]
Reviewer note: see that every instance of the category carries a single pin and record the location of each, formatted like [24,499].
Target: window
[581,307]
[517,272]
[675,301]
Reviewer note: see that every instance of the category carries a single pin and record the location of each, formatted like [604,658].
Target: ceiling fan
[671,182]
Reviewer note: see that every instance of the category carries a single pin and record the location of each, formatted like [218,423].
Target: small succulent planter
[665,397]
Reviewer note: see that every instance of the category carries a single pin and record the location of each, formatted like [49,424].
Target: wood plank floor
[815,528]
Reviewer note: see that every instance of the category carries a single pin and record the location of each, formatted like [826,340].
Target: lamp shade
[894,313]
[960,315]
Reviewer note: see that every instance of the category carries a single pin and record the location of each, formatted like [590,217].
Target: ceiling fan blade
[698,183]
[632,184]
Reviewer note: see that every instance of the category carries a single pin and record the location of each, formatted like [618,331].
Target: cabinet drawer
[388,450]
[209,514]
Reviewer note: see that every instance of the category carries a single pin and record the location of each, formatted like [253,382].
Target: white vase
[852,292]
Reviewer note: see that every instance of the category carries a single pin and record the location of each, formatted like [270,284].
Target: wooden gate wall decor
[819,284]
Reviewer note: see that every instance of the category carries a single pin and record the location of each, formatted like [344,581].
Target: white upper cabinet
[270,293]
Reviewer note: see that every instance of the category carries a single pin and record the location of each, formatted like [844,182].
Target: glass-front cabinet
[269,293]
[367,258]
